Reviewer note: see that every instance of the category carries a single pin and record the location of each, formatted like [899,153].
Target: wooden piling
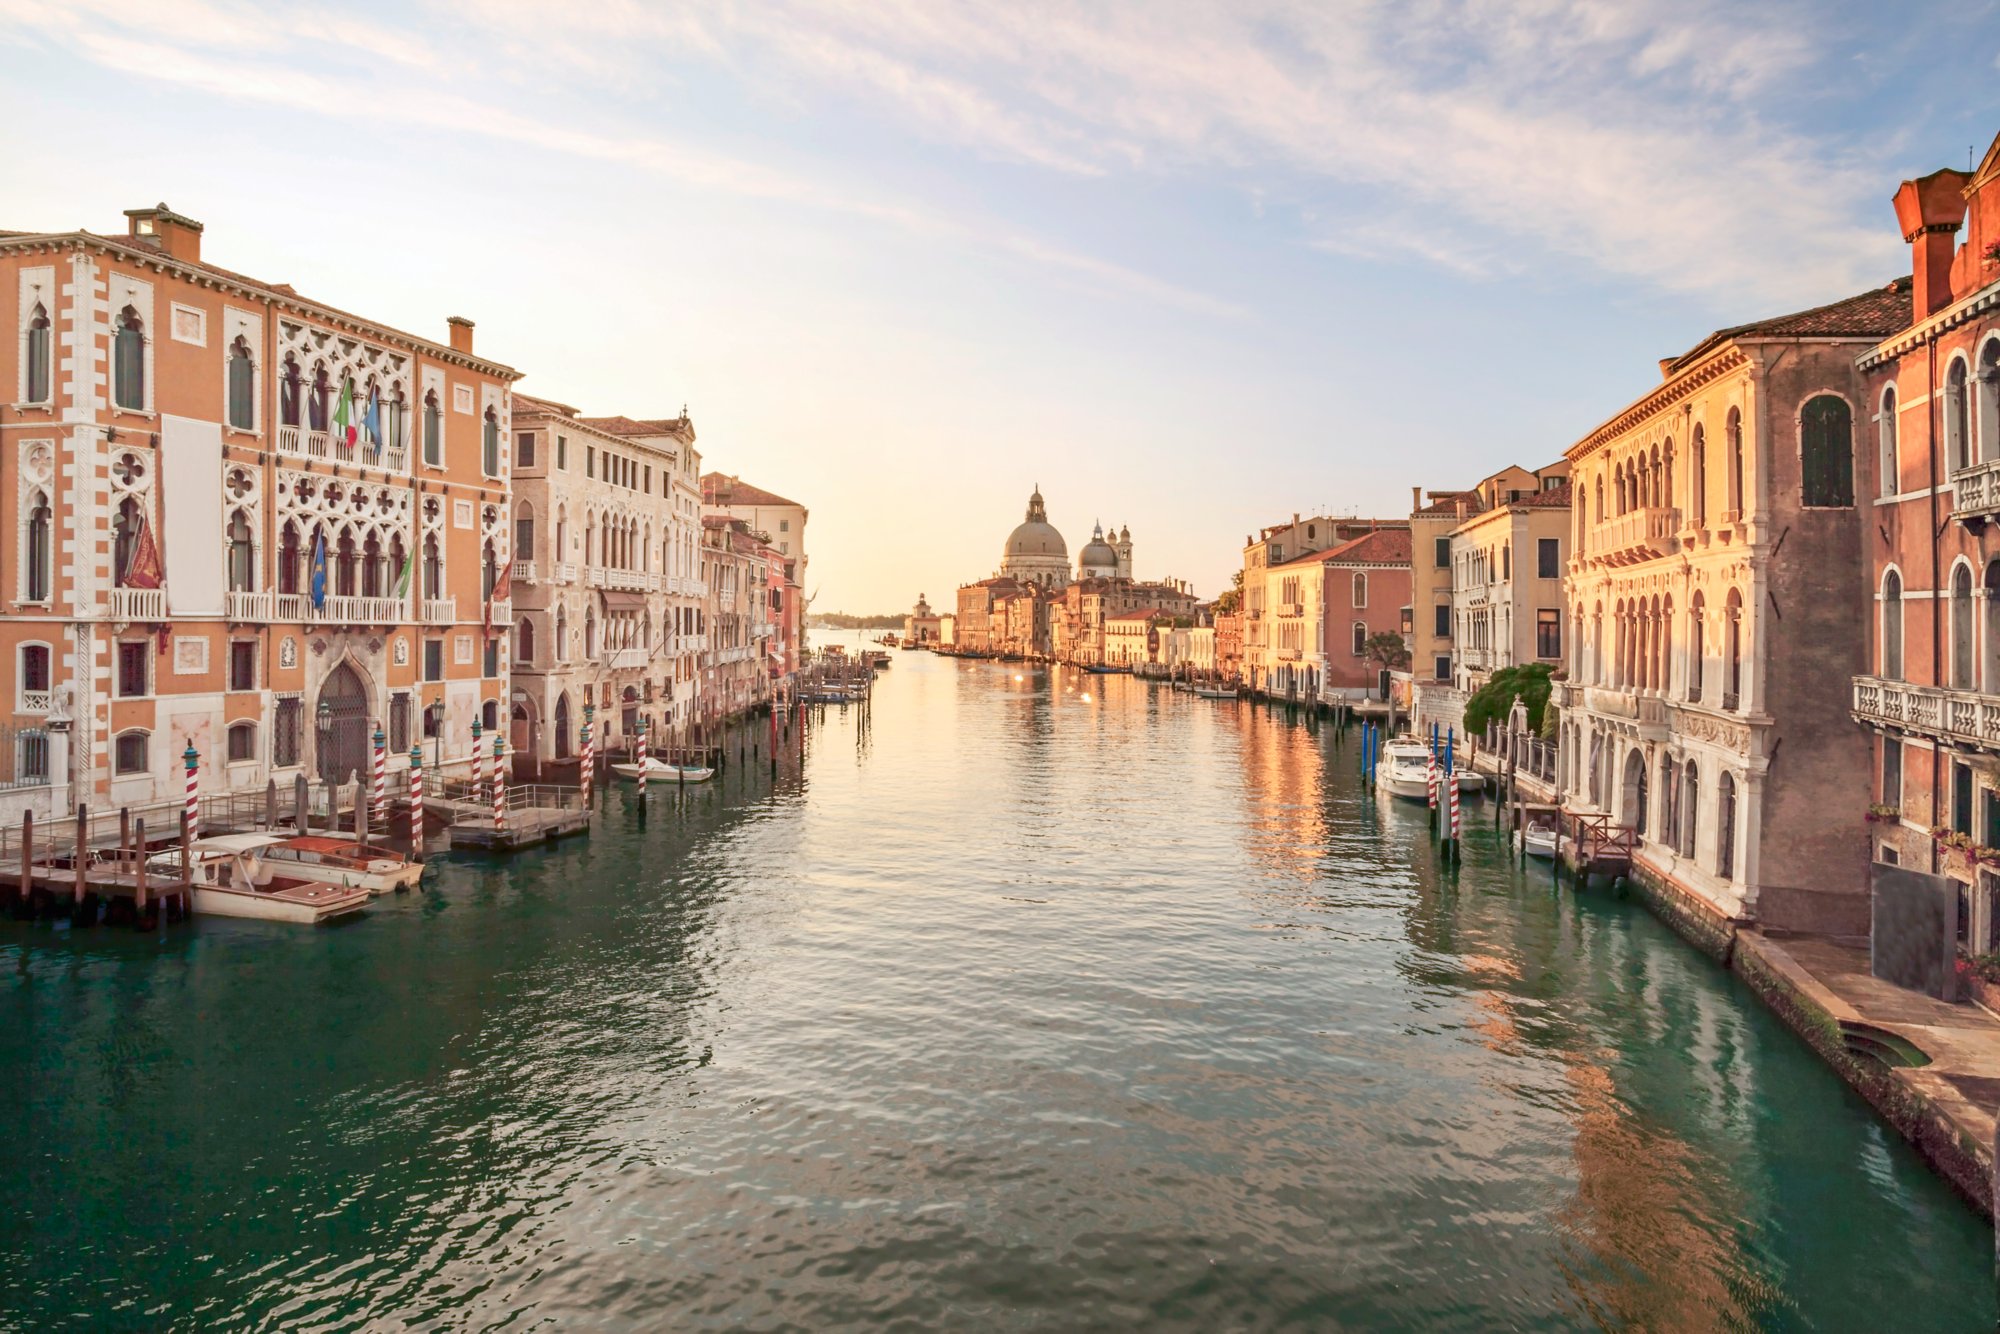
[271,803]
[82,825]
[301,822]
[27,855]
[139,871]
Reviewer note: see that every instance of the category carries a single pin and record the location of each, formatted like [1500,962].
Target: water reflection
[993,1007]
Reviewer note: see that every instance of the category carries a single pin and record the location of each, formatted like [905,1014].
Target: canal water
[1022,999]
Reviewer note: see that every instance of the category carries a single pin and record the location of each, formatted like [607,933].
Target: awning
[619,599]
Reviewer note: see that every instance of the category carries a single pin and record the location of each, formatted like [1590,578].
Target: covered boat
[659,771]
[234,878]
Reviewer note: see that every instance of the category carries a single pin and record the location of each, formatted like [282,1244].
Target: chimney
[164,229]
[1416,499]
[1929,210]
[1458,506]
[461,333]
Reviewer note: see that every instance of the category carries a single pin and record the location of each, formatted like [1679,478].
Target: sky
[1191,268]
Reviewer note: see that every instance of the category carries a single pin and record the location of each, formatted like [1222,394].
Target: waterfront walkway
[1949,1104]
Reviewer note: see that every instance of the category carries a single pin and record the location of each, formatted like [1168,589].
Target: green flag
[403,579]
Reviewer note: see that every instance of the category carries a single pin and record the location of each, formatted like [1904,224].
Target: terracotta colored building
[1365,585]
[1928,473]
[248,521]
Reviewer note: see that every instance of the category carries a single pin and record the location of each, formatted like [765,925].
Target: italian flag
[343,416]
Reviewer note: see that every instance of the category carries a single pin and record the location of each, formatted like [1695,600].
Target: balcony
[1287,655]
[37,701]
[1976,492]
[267,607]
[1640,534]
[348,609]
[621,659]
[1968,717]
[630,580]
[332,447]
[440,611]
[562,572]
[525,572]
[1291,609]
[136,604]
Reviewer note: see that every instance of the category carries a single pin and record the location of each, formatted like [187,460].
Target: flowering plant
[1882,811]
[1992,253]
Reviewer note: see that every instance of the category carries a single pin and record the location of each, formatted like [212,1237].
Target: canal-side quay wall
[1820,989]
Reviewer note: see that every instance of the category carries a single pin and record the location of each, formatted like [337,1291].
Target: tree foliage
[1386,649]
[1495,700]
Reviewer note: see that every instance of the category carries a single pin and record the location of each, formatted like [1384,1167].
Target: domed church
[1098,559]
[1036,552]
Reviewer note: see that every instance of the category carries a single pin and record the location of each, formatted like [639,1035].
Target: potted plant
[1882,813]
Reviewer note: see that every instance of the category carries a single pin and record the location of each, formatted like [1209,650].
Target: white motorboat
[1538,841]
[233,878]
[1405,770]
[659,771]
[1214,692]
[1470,779]
[339,860]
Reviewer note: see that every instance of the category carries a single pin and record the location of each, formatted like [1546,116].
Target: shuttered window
[1826,452]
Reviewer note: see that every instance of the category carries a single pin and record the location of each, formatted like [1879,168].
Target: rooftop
[1875,313]
[720,488]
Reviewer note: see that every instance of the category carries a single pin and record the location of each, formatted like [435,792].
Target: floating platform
[524,829]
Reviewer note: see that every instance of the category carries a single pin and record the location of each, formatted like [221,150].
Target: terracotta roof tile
[739,491]
[1875,313]
[1388,546]
[620,425]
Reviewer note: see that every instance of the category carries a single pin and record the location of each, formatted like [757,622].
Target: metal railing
[24,755]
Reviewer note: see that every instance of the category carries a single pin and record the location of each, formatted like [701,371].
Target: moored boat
[342,861]
[1538,841]
[1406,769]
[233,877]
[1214,692]
[658,770]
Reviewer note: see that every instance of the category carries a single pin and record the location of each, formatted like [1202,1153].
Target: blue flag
[371,420]
[318,584]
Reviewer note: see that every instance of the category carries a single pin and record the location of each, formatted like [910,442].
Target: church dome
[1036,537]
[1097,557]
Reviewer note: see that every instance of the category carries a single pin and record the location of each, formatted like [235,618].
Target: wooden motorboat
[659,771]
[233,878]
[342,861]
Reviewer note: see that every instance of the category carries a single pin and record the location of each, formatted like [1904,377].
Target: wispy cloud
[238,54]
[1626,133]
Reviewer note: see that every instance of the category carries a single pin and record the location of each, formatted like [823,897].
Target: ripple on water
[1002,1010]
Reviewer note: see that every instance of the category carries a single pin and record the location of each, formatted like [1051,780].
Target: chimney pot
[1929,211]
[461,334]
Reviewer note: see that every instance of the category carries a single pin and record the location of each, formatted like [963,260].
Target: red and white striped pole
[416,802]
[192,760]
[478,765]
[642,759]
[499,784]
[589,757]
[1431,783]
[1454,815]
[379,816]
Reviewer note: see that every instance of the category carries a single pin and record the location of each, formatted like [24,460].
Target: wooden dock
[535,814]
[104,868]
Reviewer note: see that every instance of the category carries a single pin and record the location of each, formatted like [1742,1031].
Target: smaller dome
[1097,553]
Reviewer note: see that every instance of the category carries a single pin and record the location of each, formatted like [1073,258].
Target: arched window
[1826,451]
[1600,501]
[242,742]
[1892,626]
[561,738]
[489,569]
[489,444]
[1697,650]
[1725,827]
[1698,477]
[288,558]
[242,386]
[1986,396]
[433,569]
[395,417]
[316,400]
[35,681]
[128,361]
[1732,651]
[524,642]
[40,554]
[1961,627]
[1360,590]
[39,355]
[241,554]
[126,523]
[1669,802]
[1739,503]
[1957,417]
[291,392]
[1506,560]
[1360,639]
[489,715]
[524,531]
[590,634]
[433,430]
[1690,807]
[1885,437]
[373,584]
[346,562]
[562,634]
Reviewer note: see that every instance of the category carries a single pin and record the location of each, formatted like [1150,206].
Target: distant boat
[658,770]
[1406,769]
[1100,670]
[1214,692]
